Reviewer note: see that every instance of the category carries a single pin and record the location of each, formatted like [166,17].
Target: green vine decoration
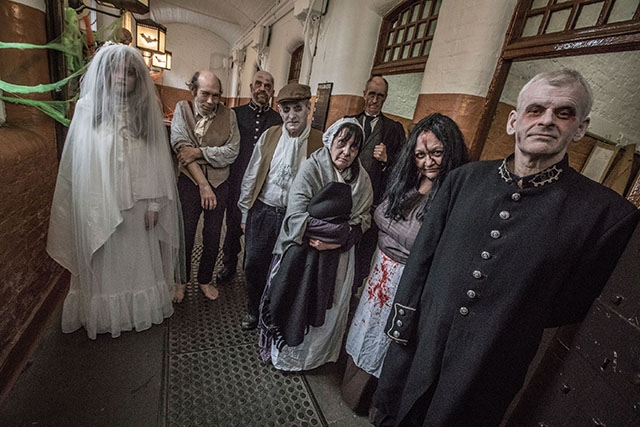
[72,44]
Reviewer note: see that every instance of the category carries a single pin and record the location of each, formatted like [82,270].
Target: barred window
[555,27]
[296,64]
[405,37]
[547,17]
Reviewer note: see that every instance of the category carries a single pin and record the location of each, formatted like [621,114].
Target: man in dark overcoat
[253,119]
[508,248]
[383,139]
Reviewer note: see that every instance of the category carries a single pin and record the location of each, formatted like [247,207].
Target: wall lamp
[150,35]
[162,60]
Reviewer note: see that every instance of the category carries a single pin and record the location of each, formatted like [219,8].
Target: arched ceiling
[229,19]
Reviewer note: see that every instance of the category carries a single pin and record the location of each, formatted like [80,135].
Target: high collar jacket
[492,266]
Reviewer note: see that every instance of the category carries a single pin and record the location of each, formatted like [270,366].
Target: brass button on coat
[464,311]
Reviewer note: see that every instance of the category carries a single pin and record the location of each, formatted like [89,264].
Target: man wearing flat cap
[265,188]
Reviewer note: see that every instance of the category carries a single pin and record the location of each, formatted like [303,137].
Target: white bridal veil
[116,175]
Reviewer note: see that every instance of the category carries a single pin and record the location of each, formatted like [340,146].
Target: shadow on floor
[197,368]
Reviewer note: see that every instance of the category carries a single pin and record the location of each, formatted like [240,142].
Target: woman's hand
[322,246]
[207,197]
[150,219]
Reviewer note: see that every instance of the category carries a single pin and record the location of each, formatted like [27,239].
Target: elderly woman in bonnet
[305,306]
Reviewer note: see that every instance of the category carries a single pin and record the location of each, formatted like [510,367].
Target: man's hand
[207,197]
[243,226]
[187,155]
[380,152]
[322,246]
[150,219]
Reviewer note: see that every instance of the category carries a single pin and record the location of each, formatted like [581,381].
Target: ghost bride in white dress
[115,218]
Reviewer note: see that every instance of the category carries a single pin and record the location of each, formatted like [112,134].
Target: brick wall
[32,284]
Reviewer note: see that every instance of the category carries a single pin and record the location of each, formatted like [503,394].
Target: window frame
[600,38]
[387,30]
[296,64]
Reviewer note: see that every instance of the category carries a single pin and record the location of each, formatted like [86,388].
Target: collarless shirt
[289,154]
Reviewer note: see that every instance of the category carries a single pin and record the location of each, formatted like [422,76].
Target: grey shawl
[315,173]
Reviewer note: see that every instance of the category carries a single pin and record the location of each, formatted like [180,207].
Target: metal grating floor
[215,374]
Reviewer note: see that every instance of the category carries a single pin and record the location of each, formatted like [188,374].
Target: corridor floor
[198,368]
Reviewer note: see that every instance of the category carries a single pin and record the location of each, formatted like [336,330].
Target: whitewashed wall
[614,80]
[346,46]
[466,46]
[404,90]
[286,36]
[194,49]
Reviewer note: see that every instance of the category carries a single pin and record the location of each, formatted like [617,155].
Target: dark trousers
[191,211]
[231,246]
[364,251]
[261,233]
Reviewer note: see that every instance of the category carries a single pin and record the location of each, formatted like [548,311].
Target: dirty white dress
[116,169]
[321,344]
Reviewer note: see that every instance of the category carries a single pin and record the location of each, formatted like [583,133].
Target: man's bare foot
[178,293]
[210,292]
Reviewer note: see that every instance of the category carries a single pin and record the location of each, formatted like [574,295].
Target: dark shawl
[302,290]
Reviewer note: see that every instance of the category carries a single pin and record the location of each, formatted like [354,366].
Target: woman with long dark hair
[435,147]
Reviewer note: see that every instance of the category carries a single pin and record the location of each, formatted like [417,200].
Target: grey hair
[193,85]
[561,78]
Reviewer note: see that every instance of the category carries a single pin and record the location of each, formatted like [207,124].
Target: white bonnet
[327,136]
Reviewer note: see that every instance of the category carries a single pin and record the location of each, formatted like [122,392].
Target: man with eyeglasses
[383,139]
[206,140]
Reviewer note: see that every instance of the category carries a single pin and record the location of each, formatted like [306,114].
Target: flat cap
[294,92]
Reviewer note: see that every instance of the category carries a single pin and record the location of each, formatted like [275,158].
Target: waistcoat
[269,147]
[217,135]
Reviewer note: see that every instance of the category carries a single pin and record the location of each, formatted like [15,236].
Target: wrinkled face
[294,115]
[124,79]
[262,88]
[428,155]
[208,94]
[343,150]
[374,96]
[547,119]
